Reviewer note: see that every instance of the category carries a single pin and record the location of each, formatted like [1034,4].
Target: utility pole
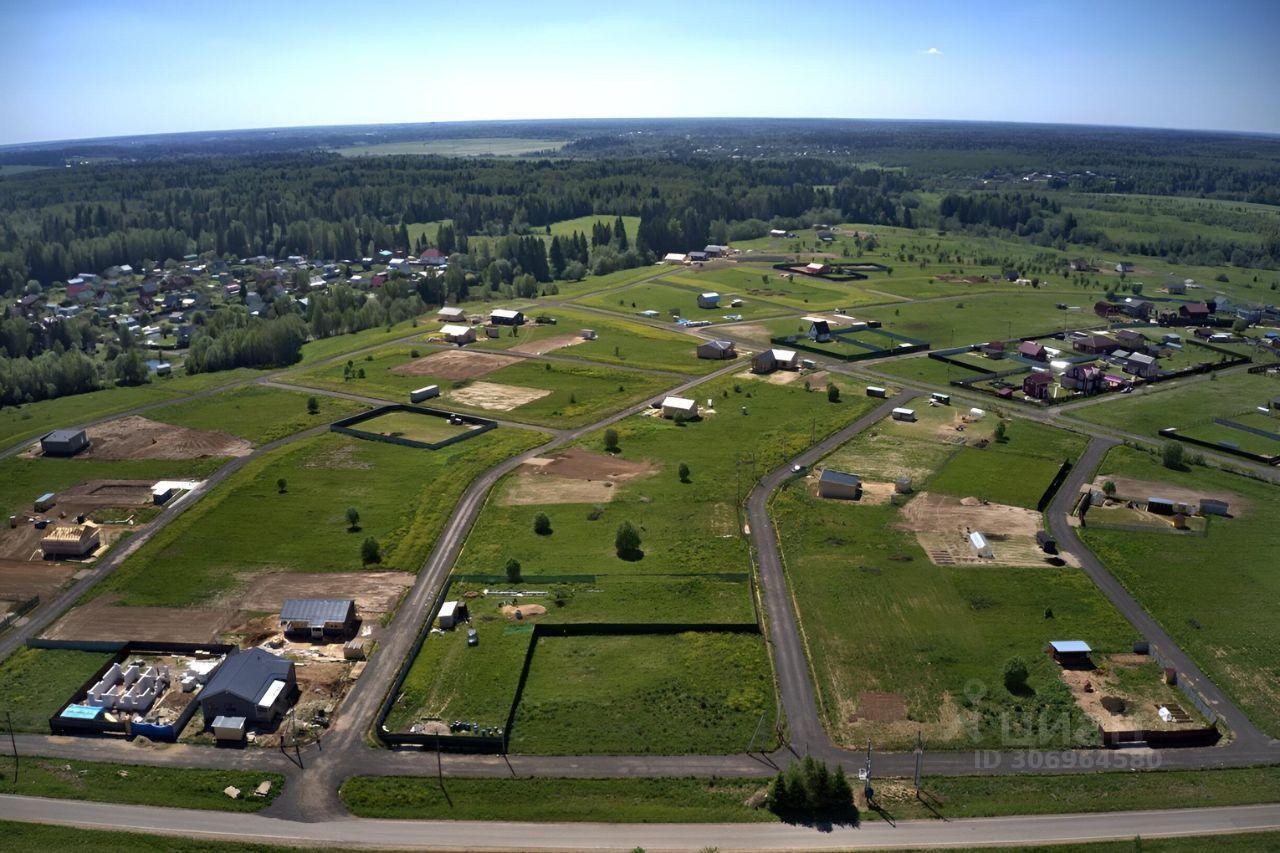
[14,743]
[919,759]
[867,790]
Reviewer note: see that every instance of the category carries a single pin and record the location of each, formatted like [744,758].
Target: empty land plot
[102,620]
[414,426]
[21,579]
[1183,404]
[496,397]
[35,683]
[693,526]
[450,680]
[454,365]
[680,299]
[322,349]
[936,637]
[1230,632]
[574,476]
[942,525]
[893,449]
[247,525]
[480,147]
[373,592]
[766,283]
[256,413]
[135,437]
[953,322]
[1017,470]
[664,694]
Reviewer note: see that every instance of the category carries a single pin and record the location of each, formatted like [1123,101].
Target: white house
[451,313]
[679,407]
[675,258]
[456,334]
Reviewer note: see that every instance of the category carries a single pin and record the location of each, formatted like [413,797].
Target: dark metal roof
[64,435]
[719,345]
[839,478]
[248,675]
[316,611]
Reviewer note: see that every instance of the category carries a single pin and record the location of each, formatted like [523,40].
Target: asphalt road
[503,835]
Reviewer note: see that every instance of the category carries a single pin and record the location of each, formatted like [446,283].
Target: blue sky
[108,67]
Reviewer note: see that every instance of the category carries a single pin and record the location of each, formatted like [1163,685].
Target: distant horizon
[93,69]
[606,119]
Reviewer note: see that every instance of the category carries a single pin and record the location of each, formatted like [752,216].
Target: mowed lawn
[1183,404]
[256,413]
[702,692]
[246,525]
[880,618]
[684,527]
[450,680]
[964,320]
[35,683]
[1015,471]
[578,393]
[1216,594]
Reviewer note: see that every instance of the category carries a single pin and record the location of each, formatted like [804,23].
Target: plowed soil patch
[575,476]
[454,364]
[100,619]
[135,437]
[374,592]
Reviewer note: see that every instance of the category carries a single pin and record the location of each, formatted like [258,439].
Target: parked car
[473,639]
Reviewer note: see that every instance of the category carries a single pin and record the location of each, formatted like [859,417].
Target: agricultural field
[1184,404]
[522,388]
[678,297]
[255,413]
[481,147]
[937,665]
[1229,632]
[248,525]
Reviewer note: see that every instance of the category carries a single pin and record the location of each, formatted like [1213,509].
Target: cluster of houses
[709,253]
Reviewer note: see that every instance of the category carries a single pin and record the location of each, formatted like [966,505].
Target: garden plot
[496,397]
[942,525]
[136,437]
[575,476]
[454,365]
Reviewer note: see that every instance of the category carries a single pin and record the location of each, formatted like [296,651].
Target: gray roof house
[64,442]
[717,349]
[254,684]
[838,484]
[318,618]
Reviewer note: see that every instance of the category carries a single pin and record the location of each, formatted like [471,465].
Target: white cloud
[933,51]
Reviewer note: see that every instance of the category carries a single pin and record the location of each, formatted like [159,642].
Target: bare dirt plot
[101,619]
[527,490]
[942,525]
[374,592]
[777,377]
[515,612]
[881,707]
[20,580]
[575,476]
[22,543]
[496,396]
[1143,489]
[135,437]
[321,687]
[547,345]
[455,365]
[583,464]
[1089,687]
[873,493]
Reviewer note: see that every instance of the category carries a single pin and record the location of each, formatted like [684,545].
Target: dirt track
[455,365]
[136,437]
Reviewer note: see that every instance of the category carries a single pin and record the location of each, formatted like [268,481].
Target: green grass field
[337,345]
[579,393]
[404,495]
[479,147]
[684,526]
[134,784]
[965,320]
[677,800]
[35,683]
[23,478]
[619,342]
[413,426]
[1015,471]
[256,413]
[1183,404]
[1229,632]
[450,680]
[687,693]
[761,281]
[679,297]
